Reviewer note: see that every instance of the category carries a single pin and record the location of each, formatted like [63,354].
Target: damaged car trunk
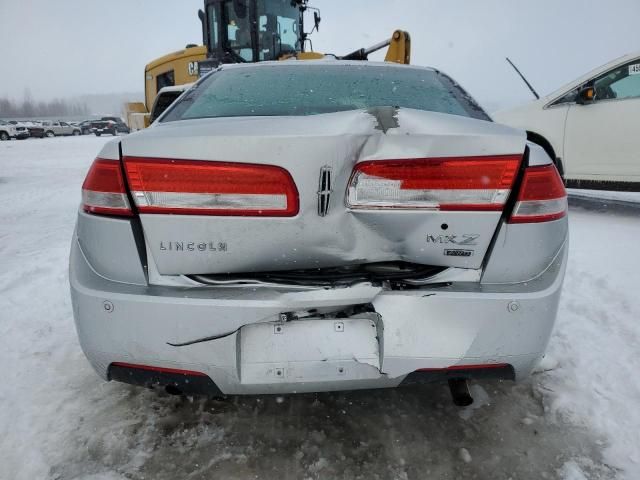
[354,190]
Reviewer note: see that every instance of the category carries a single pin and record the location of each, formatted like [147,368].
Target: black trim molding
[604,185]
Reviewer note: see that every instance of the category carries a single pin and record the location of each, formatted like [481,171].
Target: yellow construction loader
[245,31]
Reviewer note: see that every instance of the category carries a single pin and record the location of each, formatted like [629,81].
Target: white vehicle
[9,131]
[590,126]
[52,129]
[165,98]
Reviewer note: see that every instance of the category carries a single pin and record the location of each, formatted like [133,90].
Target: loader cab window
[214,36]
[166,79]
[278,22]
[238,31]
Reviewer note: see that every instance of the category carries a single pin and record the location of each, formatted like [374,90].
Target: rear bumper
[230,334]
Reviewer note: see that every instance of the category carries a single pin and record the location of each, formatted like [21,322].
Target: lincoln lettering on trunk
[193,246]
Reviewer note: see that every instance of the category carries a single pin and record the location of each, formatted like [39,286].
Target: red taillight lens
[542,196]
[461,183]
[104,190]
[195,187]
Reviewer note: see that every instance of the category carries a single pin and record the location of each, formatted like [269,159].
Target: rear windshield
[291,90]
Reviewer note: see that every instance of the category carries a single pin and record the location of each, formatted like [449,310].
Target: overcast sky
[66,48]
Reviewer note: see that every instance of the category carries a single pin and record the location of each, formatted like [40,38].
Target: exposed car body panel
[110,247]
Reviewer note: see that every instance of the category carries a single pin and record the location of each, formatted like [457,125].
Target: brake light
[542,196]
[458,183]
[195,187]
[104,190]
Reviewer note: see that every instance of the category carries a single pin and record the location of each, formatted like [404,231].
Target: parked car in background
[36,130]
[121,127]
[9,130]
[369,235]
[102,127]
[590,127]
[85,127]
[53,129]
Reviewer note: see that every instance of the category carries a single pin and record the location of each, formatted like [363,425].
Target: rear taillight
[460,183]
[104,190]
[194,187]
[542,196]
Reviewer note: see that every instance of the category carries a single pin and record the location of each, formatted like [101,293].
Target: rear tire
[4,136]
[49,134]
[98,134]
[76,133]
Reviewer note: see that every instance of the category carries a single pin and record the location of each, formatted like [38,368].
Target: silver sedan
[314,226]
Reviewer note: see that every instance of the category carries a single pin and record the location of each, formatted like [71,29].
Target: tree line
[31,108]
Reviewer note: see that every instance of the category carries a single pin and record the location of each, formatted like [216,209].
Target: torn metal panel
[307,146]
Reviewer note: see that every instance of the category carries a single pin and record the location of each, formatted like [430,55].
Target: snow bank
[630,197]
[596,339]
[43,367]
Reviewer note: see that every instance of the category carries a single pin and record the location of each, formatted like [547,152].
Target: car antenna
[523,79]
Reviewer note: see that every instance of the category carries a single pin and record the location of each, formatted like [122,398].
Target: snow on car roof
[175,88]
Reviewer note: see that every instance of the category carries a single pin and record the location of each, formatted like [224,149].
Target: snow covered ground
[576,419]
[606,197]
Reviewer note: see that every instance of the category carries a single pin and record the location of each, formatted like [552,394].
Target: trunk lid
[317,236]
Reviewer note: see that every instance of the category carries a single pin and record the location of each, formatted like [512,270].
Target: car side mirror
[586,95]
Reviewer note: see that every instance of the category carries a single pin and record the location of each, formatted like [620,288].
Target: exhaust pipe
[460,392]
